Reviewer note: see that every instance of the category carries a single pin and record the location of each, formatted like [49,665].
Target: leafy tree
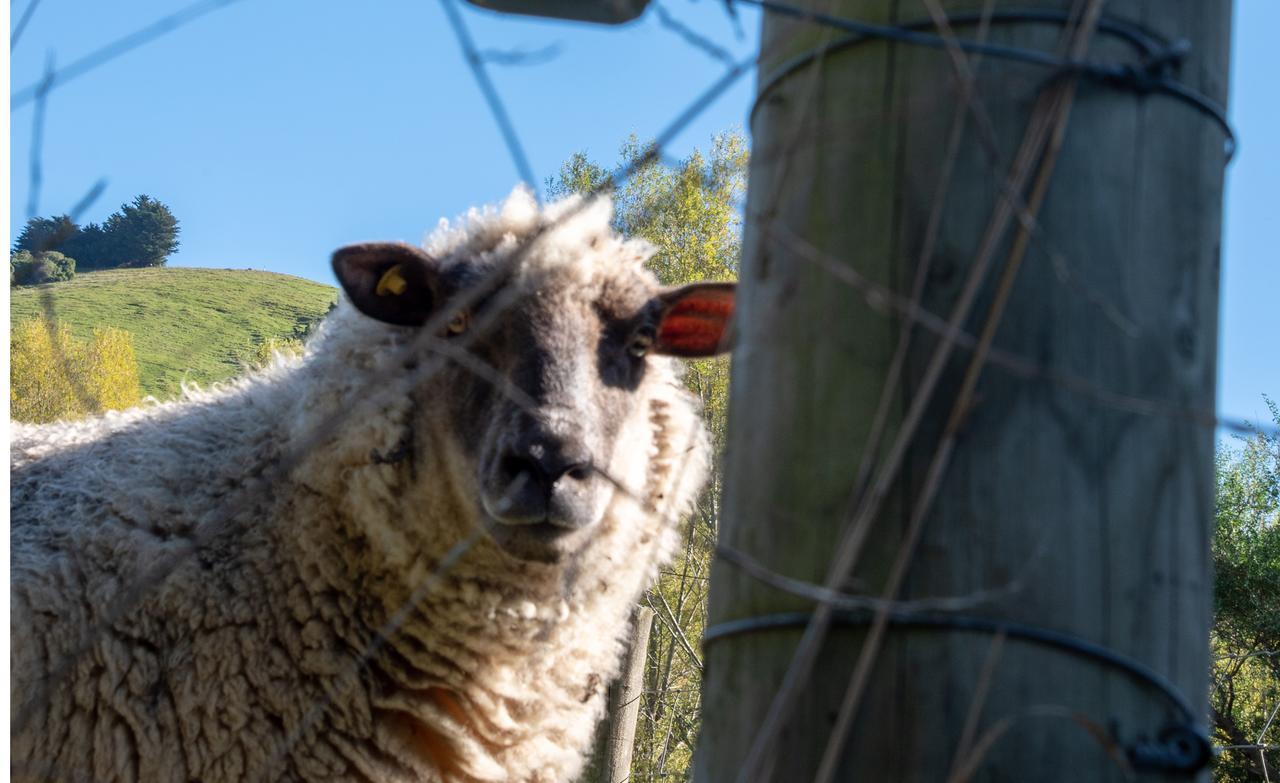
[689,212]
[26,268]
[143,233]
[1246,625]
[43,234]
[52,375]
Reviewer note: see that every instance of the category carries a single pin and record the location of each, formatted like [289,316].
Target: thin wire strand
[1147,48]
[89,401]
[519,57]
[691,36]
[979,700]
[120,47]
[924,263]
[905,556]
[850,601]
[885,300]
[22,24]
[496,107]
[1145,77]
[36,154]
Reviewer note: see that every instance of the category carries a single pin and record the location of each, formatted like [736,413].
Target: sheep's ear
[694,320]
[388,281]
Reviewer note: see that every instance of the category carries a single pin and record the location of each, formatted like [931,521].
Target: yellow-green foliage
[54,376]
[1245,695]
[264,352]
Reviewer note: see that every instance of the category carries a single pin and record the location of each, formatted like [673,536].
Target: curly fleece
[245,662]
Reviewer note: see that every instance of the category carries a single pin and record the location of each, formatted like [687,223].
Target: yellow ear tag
[391,283]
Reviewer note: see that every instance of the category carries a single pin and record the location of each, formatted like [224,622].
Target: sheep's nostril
[579,472]
[512,466]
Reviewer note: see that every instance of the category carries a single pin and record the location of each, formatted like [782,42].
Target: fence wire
[673,674]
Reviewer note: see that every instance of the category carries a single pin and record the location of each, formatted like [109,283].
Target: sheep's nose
[544,464]
[543,479]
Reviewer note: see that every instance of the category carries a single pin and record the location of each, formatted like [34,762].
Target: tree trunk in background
[1096,515]
[616,739]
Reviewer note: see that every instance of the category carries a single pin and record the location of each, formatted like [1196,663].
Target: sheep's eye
[640,342]
[460,322]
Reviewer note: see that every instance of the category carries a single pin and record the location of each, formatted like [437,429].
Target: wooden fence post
[1069,469]
[611,762]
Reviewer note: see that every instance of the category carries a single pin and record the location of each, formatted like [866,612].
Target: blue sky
[278,130]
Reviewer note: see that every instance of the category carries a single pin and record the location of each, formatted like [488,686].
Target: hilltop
[187,324]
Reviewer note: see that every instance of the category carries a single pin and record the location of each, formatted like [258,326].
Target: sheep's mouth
[539,542]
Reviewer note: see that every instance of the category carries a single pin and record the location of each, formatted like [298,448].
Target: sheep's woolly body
[252,643]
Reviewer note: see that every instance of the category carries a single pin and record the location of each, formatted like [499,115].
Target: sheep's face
[543,391]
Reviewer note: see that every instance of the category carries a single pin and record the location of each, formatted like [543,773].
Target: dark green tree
[42,234]
[143,233]
[92,248]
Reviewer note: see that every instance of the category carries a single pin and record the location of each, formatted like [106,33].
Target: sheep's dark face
[545,385]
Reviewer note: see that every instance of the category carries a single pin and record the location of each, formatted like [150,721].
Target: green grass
[187,324]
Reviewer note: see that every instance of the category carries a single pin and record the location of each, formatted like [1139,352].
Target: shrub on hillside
[52,375]
[263,353]
[27,268]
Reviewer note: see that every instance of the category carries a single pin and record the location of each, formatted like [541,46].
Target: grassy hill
[192,324]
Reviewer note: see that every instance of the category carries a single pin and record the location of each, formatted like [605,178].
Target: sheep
[409,554]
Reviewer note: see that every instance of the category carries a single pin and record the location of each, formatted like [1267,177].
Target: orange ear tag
[392,283]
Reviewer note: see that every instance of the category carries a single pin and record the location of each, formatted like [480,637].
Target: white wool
[300,559]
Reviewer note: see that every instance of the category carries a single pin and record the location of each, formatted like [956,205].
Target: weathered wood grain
[1101,516]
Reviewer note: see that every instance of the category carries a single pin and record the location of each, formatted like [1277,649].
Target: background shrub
[52,375]
[262,353]
[27,268]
